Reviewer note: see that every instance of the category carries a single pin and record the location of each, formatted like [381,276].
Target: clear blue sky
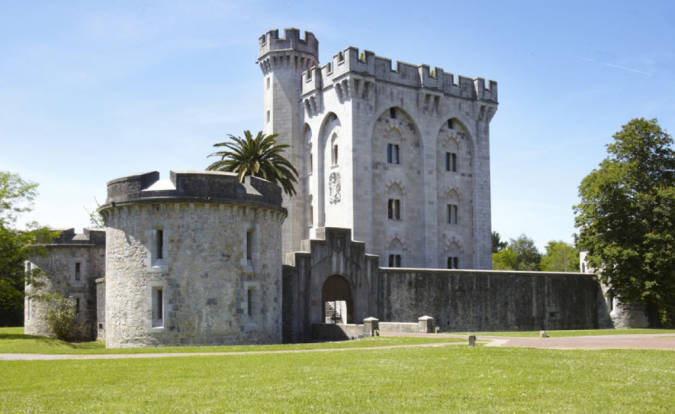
[90,91]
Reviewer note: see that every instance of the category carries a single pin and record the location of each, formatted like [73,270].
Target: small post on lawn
[472,340]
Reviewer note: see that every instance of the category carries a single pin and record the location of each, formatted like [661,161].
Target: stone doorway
[336,300]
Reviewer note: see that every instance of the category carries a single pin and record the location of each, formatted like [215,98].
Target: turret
[282,61]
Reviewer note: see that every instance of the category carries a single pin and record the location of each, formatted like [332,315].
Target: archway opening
[336,300]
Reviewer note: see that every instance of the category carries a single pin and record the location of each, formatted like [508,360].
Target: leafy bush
[61,318]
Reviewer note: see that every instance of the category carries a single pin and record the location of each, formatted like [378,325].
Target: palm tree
[260,157]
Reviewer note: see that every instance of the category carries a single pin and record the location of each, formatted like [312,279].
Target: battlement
[68,238]
[271,42]
[370,66]
[193,186]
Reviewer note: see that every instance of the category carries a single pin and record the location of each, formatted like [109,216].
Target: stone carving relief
[334,195]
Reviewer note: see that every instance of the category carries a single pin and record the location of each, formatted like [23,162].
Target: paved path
[53,357]
[636,341]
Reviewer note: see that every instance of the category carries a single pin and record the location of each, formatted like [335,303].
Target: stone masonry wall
[204,275]
[462,300]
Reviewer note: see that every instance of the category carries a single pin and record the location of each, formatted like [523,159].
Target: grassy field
[395,380]
[583,332]
[13,341]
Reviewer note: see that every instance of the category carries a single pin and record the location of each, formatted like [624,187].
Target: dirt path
[55,357]
[633,341]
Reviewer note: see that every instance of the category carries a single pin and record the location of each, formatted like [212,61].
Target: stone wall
[458,300]
[467,300]
[211,291]
[60,277]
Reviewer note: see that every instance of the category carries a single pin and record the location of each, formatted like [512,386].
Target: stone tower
[282,61]
[193,260]
[398,153]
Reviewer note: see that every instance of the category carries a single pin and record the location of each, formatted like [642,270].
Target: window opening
[334,157]
[159,243]
[450,124]
[392,153]
[249,244]
[157,307]
[394,260]
[392,113]
[77,306]
[453,262]
[78,271]
[249,301]
[452,213]
[450,161]
[394,209]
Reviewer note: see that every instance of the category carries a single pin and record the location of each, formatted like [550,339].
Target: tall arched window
[334,150]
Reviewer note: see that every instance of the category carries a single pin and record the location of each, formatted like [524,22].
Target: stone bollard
[371,326]
[543,334]
[425,324]
[472,340]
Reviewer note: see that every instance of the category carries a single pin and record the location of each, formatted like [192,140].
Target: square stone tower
[399,155]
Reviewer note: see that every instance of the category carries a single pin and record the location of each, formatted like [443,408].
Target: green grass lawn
[13,341]
[582,332]
[443,379]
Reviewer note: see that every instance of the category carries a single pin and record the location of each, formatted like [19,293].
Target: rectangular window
[450,161]
[392,113]
[450,123]
[452,213]
[249,244]
[78,271]
[392,154]
[249,301]
[157,307]
[159,243]
[453,262]
[394,260]
[77,306]
[394,209]
[335,155]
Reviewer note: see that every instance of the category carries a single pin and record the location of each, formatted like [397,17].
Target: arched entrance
[336,300]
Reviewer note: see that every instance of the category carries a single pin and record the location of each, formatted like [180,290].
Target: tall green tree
[16,246]
[519,254]
[259,156]
[625,217]
[560,257]
[497,242]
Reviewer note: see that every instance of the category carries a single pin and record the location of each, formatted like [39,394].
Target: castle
[391,220]
[400,156]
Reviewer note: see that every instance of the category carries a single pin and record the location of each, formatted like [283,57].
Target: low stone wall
[338,331]
[398,327]
[482,300]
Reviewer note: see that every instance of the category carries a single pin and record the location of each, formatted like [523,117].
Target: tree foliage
[258,156]
[519,254]
[497,242]
[16,246]
[560,257]
[625,216]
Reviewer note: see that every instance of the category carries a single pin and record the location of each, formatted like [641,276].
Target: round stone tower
[193,260]
[282,61]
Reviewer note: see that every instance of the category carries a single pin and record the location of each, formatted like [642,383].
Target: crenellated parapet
[290,51]
[193,186]
[366,69]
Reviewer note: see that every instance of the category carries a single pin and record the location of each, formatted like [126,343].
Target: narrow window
[453,262]
[392,113]
[452,213]
[249,244]
[249,301]
[157,307]
[268,116]
[335,154]
[396,154]
[77,306]
[159,243]
[450,124]
[78,271]
[268,82]
[389,153]
[394,209]
[394,260]
[450,161]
